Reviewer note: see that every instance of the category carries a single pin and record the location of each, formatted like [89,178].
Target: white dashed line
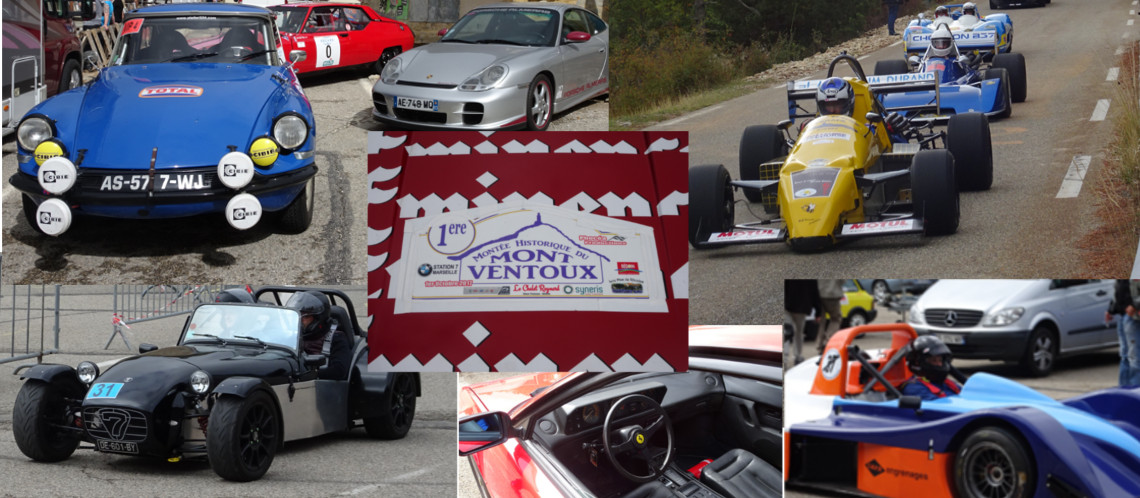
[690,116]
[1071,186]
[1132,12]
[1130,21]
[1113,73]
[895,44]
[1101,110]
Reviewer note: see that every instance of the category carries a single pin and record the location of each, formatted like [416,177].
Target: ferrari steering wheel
[635,439]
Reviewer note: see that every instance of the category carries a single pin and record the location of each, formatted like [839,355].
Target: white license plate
[163,182]
[117,446]
[418,104]
[952,339]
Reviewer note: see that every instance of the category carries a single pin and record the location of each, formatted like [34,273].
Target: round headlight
[290,131]
[391,71]
[87,372]
[33,131]
[200,382]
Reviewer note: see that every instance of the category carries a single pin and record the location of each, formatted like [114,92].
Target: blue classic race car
[849,429]
[197,112]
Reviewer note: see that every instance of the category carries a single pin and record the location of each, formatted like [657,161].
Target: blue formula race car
[963,18]
[849,429]
[197,112]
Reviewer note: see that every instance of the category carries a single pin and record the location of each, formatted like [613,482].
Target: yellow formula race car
[864,171]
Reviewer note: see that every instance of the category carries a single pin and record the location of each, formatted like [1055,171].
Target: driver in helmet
[942,44]
[834,97]
[941,16]
[969,9]
[319,334]
[929,360]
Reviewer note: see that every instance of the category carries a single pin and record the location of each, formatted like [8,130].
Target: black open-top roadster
[236,387]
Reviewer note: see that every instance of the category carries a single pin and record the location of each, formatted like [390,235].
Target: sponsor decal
[829,135]
[876,469]
[171,91]
[831,364]
[574,91]
[745,235]
[902,78]
[628,268]
[602,239]
[448,283]
[879,227]
[486,291]
[263,151]
[424,270]
[132,26]
[809,208]
[813,182]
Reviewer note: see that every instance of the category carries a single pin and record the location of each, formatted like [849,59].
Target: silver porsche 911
[501,66]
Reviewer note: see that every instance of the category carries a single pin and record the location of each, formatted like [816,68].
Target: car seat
[739,473]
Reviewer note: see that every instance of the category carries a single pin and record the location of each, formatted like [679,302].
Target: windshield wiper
[255,54]
[506,42]
[259,342]
[191,57]
[457,40]
[219,339]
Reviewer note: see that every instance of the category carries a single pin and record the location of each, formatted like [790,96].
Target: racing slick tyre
[993,462]
[396,417]
[968,139]
[385,56]
[1015,65]
[1003,75]
[71,77]
[1040,352]
[934,191]
[40,408]
[758,145]
[242,436]
[892,66]
[712,208]
[298,215]
[539,104]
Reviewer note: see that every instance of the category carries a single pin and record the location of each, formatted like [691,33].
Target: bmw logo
[425,270]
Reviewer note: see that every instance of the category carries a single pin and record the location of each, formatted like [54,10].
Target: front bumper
[496,109]
[1002,344]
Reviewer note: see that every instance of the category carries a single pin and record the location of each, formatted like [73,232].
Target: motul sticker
[745,235]
[171,91]
[878,227]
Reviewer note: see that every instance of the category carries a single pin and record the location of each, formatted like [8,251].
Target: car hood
[191,113]
[451,63]
[975,294]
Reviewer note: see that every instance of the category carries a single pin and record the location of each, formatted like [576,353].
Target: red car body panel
[342,42]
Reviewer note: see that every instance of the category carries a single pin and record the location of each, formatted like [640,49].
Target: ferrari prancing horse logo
[640,439]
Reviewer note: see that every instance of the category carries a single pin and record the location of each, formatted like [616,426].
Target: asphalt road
[1072,376]
[347,463]
[1018,229]
[205,248]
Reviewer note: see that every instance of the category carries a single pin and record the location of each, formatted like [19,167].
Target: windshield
[220,322]
[229,39]
[289,19]
[521,26]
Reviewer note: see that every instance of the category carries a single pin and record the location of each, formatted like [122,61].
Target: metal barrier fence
[31,310]
[143,303]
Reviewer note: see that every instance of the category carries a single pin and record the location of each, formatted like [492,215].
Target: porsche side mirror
[577,36]
[785,124]
[296,56]
[313,360]
[442,32]
[874,117]
[481,431]
[146,348]
[911,402]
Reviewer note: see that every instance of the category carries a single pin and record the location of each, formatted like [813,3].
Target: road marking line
[895,43]
[399,479]
[1101,110]
[706,110]
[1113,73]
[1130,21]
[1132,12]
[1075,177]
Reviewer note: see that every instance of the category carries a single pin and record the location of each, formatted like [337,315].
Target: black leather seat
[739,474]
[653,489]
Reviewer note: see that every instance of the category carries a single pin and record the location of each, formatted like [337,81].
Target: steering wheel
[635,439]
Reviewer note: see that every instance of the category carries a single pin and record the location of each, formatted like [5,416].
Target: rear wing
[965,40]
[879,85]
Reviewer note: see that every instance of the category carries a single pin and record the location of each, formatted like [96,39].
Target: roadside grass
[678,106]
[1110,248]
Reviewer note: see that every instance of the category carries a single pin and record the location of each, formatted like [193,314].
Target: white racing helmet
[941,42]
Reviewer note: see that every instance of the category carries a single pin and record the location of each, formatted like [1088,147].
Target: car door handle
[344,35]
[1101,293]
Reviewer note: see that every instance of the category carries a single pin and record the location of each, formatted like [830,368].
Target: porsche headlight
[33,131]
[391,71]
[485,79]
[87,372]
[1003,317]
[290,130]
[200,382]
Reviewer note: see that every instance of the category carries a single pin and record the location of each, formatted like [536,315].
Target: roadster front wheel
[396,418]
[37,423]
[242,437]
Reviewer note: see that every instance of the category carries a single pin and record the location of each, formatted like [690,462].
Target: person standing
[800,298]
[830,294]
[892,14]
[108,12]
[1130,337]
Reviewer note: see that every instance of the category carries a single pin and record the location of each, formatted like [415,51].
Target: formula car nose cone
[56,175]
[235,170]
[243,211]
[53,217]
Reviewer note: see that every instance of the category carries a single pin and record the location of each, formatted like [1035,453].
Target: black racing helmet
[315,304]
[234,296]
[922,350]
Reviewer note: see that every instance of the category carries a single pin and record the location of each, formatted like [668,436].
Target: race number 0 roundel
[328,51]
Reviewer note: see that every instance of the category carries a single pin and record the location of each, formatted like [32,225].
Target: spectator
[830,293]
[892,14]
[800,298]
[1121,300]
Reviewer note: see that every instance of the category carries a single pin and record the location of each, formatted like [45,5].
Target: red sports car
[709,432]
[336,35]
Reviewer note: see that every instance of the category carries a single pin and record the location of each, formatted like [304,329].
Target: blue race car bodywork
[1000,24]
[962,89]
[165,138]
[1087,445]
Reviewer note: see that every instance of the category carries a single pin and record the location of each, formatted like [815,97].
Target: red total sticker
[171,91]
[132,26]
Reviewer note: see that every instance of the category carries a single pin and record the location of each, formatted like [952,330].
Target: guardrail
[30,311]
[144,303]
